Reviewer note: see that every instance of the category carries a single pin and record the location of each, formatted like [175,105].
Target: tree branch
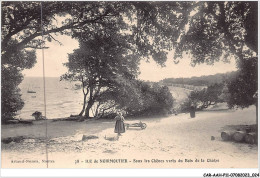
[15,31]
[55,39]
[103,110]
[21,44]
[35,47]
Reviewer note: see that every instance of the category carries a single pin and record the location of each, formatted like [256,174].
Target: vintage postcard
[136,84]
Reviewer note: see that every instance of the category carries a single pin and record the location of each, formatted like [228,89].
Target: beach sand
[163,144]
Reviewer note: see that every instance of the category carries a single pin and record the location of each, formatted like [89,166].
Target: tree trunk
[84,105]
[90,104]
[92,98]
[96,113]
[85,96]
[87,112]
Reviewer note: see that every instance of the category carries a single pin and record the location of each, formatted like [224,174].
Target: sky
[57,54]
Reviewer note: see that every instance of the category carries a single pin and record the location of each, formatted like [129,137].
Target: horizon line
[141,79]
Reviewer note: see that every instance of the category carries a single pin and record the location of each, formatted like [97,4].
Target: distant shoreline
[39,77]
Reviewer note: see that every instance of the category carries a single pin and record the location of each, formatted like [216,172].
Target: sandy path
[163,142]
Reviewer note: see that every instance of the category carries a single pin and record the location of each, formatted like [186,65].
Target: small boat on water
[77,86]
[30,91]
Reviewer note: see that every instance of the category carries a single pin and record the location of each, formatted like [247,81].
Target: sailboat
[30,91]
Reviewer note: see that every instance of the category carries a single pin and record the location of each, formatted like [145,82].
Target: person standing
[120,126]
[192,111]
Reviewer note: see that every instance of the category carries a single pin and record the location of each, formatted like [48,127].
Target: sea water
[63,98]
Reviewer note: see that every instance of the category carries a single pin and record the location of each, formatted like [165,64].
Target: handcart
[139,124]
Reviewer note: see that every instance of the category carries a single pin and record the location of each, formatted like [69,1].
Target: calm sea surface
[62,98]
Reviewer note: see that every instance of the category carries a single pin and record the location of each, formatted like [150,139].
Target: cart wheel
[143,125]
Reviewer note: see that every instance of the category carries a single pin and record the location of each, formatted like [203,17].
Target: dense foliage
[138,98]
[11,101]
[202,80]
[102,63]
[209,31]
[153,99]
[220,30]
[202,99]
[245,86]
[23,23]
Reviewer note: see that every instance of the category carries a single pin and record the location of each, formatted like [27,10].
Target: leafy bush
[152,99]
[137,98]
[204,98]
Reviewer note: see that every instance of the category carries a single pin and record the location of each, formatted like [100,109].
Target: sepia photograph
[129,84]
